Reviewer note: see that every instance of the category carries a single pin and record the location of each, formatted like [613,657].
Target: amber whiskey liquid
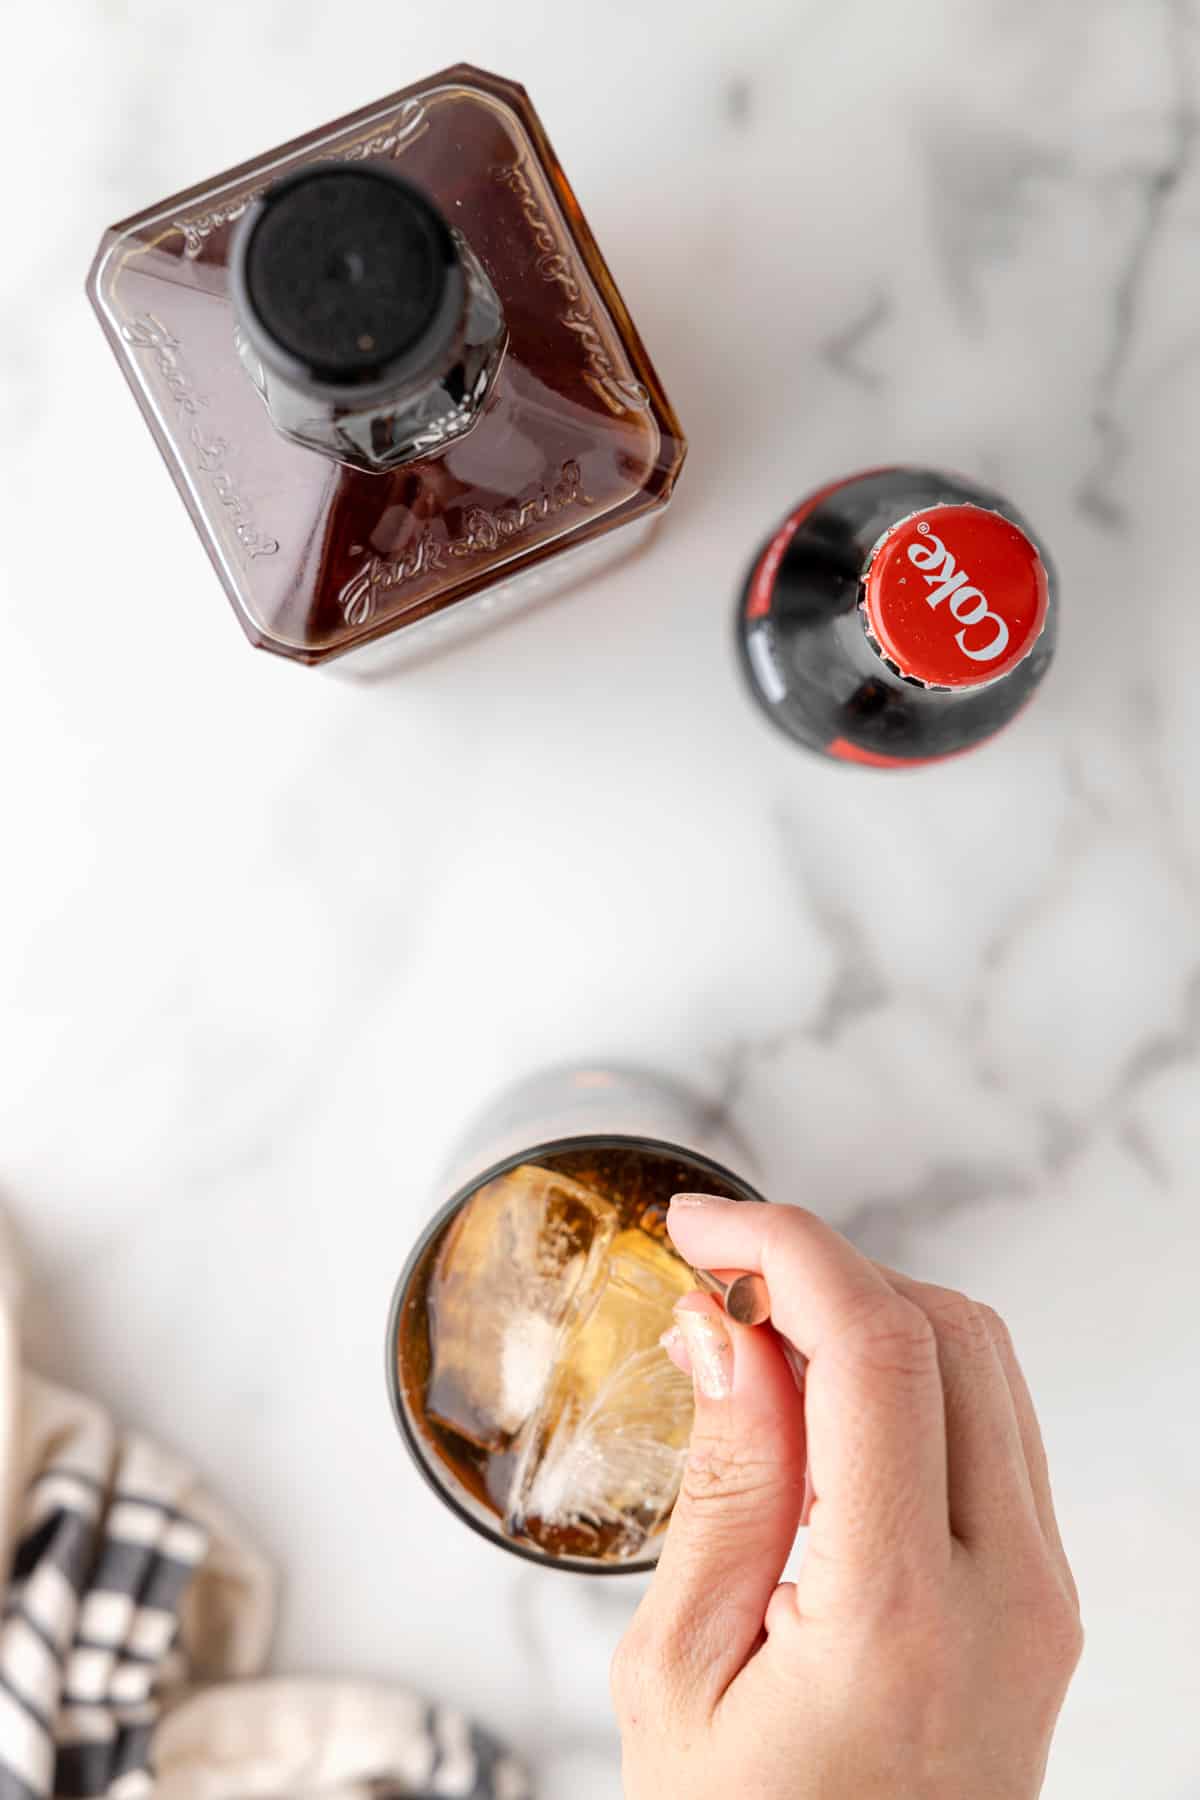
[574,436]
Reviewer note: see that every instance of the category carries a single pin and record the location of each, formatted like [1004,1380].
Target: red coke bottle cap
[955,595]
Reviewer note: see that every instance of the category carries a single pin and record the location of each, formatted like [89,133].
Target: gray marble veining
[267,942]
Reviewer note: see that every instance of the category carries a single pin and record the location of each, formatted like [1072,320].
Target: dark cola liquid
[635,1184]
[810,661]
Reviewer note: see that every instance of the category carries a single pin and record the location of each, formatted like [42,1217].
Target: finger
[1032,1445]
[738,1511]
[873,1402]
[782,1607]
[989,1492]
[672,1342]
[1031,1440]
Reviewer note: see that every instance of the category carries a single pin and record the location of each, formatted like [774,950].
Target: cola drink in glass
[523,1357]
[897,617]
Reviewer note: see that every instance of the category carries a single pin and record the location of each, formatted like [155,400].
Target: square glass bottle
[390,373]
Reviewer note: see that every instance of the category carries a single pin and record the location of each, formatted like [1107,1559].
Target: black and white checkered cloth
[128,1592]
[90,1640]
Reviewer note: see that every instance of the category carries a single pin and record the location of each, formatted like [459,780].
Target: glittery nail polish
[709,1349]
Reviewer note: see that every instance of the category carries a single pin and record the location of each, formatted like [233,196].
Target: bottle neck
[369,327]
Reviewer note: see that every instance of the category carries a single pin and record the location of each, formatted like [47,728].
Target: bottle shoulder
[577,434]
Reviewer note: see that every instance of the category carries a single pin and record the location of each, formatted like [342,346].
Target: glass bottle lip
[418,361]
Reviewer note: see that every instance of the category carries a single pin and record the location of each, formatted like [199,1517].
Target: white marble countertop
[266,940]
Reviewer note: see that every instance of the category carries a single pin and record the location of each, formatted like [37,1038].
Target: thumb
[739,1505]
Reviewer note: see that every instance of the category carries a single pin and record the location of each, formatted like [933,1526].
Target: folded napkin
[135,1613]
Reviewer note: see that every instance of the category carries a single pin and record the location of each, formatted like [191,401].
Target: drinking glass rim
[589,1140]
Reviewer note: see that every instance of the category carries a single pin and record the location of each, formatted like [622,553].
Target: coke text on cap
[955,595]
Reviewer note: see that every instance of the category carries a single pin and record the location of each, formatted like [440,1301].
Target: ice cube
[599,1465]
[508,1274]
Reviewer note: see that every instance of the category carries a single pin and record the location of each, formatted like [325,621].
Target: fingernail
[708,1345]
[672,1342]
[797,1363]
[698,1200]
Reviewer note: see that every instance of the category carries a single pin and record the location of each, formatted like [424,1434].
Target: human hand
[927,1646]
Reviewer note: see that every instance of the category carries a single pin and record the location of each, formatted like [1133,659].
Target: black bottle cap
[346,278]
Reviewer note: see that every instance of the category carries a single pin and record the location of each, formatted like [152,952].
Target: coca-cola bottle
[896,617]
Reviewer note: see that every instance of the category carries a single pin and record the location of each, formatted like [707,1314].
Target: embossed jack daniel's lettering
[897,617]
[390,373]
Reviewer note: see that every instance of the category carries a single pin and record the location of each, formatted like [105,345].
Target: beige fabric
[129,1592]
[303,1739]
